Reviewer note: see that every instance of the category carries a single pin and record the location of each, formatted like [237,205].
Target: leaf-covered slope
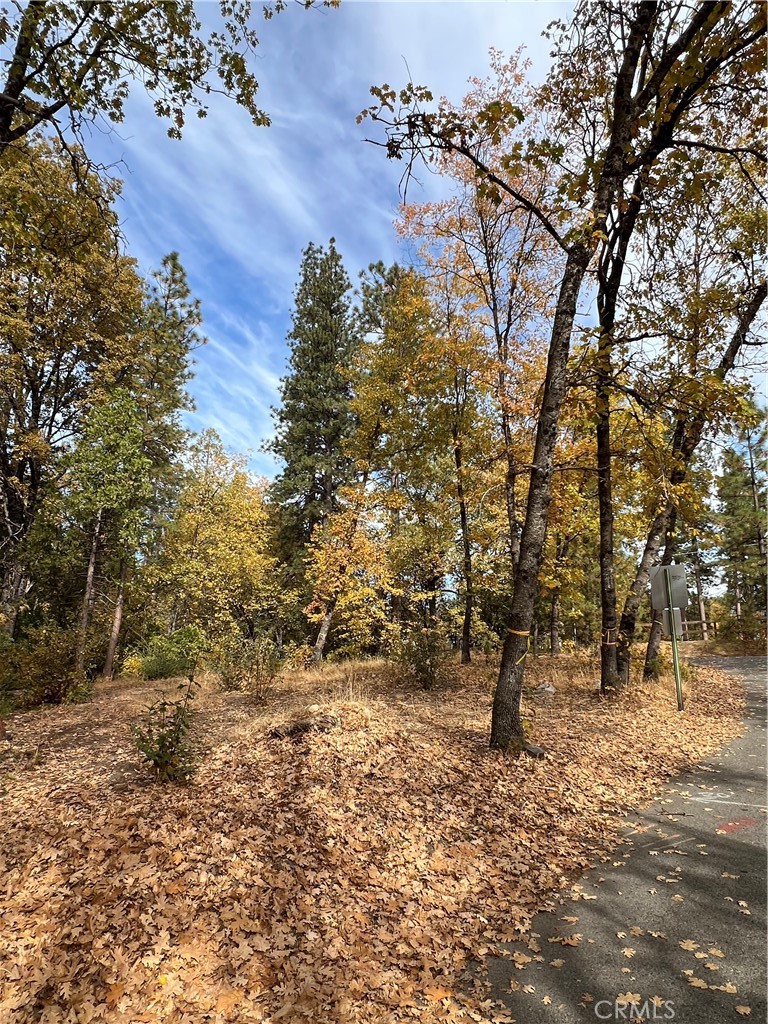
[351,875]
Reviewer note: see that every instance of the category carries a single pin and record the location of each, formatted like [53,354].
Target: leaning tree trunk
[322,635]
[117,622]
[466,629]
[88,597]
[18,68]
[506,724]
[628,622]
[699,590]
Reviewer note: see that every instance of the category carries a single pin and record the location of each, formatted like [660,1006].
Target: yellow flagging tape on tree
[520,632]
[605,639]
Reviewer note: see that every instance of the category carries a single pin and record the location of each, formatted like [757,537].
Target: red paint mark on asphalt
[736,826]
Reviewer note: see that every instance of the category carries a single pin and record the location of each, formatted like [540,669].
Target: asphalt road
[681,908]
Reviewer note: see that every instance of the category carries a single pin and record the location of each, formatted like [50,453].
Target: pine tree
[741,521]
[314,419]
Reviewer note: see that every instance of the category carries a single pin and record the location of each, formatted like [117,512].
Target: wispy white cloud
[240,203]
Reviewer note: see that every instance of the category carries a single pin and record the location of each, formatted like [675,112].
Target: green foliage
[250,665]
[167,656]
[82,59]
[80,692]
[162,736]
[740,524]
[424,652]
[314,419]
[80,300]
[216,570]
[39,668]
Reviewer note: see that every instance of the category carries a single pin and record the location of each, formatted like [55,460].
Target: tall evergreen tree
[314,419]
[742,497]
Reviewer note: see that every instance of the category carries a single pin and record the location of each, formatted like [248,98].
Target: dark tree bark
[506,724]
[610,274]
[13,89]
[555,646]
[608,663]
[466,564]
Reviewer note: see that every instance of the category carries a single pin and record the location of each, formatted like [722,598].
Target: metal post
[673,634]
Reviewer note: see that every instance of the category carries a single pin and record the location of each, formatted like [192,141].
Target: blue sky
[240,203]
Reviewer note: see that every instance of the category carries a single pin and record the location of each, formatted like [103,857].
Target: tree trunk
[699,590]
[466,629]
[117,622]
[624,117]
[506,724]
[17,72]
[608,658]
[654,647]
[610,274]
[88,597]
[511,502]
[555,646]
[322,636]
[14,585]
[628,622]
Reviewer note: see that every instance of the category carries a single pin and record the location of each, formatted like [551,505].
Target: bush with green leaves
[165,657]
[38,668]
[424,652]
[162,736]
[250,665]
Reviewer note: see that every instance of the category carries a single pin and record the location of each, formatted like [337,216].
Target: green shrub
[162,736]
[167,656]
[424,653]
[250,666]
[39,668]
[80,692]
